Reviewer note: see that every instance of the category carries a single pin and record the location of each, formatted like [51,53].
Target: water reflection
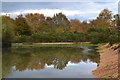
[21,59]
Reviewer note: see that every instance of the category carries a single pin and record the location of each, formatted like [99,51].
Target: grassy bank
[51,45]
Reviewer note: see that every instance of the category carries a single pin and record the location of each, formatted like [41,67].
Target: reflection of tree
[20,61]
[7,64]
[77,59]
[60,63]
[94,57]
[36,58]
[35,62]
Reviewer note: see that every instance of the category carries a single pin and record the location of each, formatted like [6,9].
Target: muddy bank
[108,66]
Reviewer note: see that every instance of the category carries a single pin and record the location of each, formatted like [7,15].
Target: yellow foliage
[59,31]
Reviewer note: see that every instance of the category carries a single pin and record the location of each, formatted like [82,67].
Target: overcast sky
[73,10]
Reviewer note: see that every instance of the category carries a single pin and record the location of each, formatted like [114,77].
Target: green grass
[99,45]
[51,45]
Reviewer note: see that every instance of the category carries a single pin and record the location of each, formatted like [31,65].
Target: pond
[49,62]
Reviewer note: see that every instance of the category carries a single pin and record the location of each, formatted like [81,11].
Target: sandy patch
[108,66]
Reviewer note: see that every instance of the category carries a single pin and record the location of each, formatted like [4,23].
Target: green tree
[113,39]
[8,33]
[98,35]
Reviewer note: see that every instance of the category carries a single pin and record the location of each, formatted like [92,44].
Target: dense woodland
[32,28]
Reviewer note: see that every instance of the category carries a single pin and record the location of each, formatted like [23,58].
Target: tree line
[38,28]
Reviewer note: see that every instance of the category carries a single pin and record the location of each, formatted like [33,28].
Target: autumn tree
[22,27]
[36,21]
[105,15]
[103,20]
[77,26]
[84,26]
[47,25]
[50,24]
[74,25]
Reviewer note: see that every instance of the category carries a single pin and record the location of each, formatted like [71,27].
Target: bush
[113,39]
[24,38]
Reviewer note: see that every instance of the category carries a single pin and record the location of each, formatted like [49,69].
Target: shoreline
[108,66]
[58,44]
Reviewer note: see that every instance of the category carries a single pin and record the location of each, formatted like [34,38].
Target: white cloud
[46,12]
[85,11]
[51,12]
[58,0]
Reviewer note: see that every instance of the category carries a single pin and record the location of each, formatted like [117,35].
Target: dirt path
[108,66]
[62,43]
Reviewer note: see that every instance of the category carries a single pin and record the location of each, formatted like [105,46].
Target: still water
[49,62]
